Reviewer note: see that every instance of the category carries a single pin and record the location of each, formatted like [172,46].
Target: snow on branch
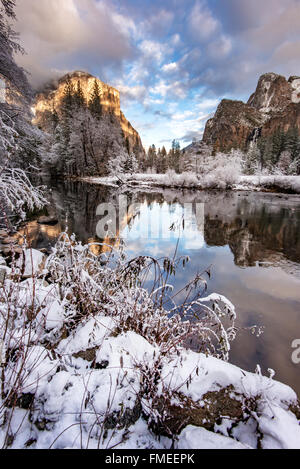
[17,192]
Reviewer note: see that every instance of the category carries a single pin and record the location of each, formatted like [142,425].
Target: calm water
[251,240]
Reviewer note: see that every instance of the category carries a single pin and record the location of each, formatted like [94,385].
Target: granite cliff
[50,99]
[275,105]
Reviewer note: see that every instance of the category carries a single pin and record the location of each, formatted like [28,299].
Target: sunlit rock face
[232,125]
[274,105]
[50,99]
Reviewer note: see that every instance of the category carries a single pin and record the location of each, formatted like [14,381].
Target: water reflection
[251,240]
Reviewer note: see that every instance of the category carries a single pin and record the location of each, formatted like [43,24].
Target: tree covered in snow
[285,162]
[19,139]
[194,157]
[174,156]
[17,195]
[252,160]
[272,148]
[131,165]
[84,140]
[13,75]
[95,101]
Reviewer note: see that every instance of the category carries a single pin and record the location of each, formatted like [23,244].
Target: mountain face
[275,105]
[50,99]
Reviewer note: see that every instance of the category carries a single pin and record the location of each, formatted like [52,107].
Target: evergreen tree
[79,99]
[131,164]
[174,156]
[164,160]
[127,145]
[19,139]
[95,101]
[159,162]
[285,162]
[68,99]
[253,160]
[152,157]
[278,145]
[292,142]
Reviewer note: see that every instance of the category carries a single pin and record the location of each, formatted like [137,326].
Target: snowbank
[289,184]
[286,184]
[91,361]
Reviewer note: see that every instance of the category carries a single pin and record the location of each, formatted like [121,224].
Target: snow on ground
[281,183]
[296,90]
[32,262]
[199,438]
[88,382]
[209,181]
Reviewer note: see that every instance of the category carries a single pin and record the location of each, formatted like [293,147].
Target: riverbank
[90,359]
[281,184]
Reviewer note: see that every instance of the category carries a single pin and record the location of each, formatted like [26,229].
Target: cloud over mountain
[158,53]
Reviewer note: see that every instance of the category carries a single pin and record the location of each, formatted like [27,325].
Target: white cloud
[186,123]
[154,50]
[138,72]
[137,92]
[220,48]
[71,31]
[201,21]
[171,67]
[162,88]
[207,103]
[175,40]
[148,101]
[157,24]
[179,116]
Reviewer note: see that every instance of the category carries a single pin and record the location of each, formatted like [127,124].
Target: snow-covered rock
[102,378]
[33,262]
[199,438]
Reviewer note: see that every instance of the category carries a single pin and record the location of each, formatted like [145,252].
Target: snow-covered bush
[17,193]
[93,359]
[211,171]
[85,300]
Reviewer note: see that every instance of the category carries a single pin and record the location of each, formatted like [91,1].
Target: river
[250,240]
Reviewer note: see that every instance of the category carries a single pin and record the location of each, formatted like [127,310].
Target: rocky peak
[232,125]
[50,98]
[273,93]
[295,85]
[274,105]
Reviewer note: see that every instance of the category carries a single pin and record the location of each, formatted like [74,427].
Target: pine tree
[127,145]
[68,97]
[278,145]
[174,156]
[252,161]
[19,139]
[131,164]
[95,101]
[292,143]
[164,160]
[285,162]
[152,157]
[79,99]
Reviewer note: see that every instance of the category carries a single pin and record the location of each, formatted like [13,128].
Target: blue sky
[172,60]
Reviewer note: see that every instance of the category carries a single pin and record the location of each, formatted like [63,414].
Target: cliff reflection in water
[258,228]
[242,234]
